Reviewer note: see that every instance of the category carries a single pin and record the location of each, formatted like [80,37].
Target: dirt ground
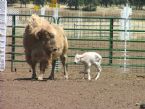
[113,90]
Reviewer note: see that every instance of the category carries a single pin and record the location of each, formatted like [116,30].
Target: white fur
[89,59]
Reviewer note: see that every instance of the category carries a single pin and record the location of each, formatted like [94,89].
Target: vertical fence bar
[13,41]
[111,42]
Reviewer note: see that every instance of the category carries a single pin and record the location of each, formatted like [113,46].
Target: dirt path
[111,91]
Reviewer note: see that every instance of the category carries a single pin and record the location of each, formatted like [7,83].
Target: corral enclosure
[113,90]
[100,34]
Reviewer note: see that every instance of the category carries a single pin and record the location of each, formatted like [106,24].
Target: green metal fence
[87,34]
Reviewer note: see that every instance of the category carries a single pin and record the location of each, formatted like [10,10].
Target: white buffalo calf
[88,59]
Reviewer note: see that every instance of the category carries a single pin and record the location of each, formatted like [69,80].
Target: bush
[11,1]
[89,8]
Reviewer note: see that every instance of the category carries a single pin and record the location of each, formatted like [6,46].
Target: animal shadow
[30,79]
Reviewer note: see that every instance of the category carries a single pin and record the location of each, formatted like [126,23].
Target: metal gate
[98,34]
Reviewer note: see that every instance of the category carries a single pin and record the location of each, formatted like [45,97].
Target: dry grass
[64,11]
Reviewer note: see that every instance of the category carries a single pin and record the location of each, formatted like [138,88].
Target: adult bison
[44,43]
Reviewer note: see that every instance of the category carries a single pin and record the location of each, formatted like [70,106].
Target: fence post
[13,41]
[111,42]
[3,23]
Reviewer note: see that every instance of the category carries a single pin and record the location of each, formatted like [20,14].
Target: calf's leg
[88,70]
[84,71]
[89,75]
[99,69]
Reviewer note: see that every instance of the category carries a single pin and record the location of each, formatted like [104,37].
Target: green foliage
[89,8]
[137,3]
[90,5]
[39,2]
[63,1]
[12,1]
[75,3]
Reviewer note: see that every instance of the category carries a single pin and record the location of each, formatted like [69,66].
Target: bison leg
[32,64]
[63,60]
[43,66]
[52,70]
[33,70]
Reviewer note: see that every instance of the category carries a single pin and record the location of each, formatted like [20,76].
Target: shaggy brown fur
[44,42]
[62,48]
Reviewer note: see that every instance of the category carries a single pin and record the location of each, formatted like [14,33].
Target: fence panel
[103,35]
[87,34]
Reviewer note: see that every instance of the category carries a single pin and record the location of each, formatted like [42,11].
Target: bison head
[47,39]
[43,34]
